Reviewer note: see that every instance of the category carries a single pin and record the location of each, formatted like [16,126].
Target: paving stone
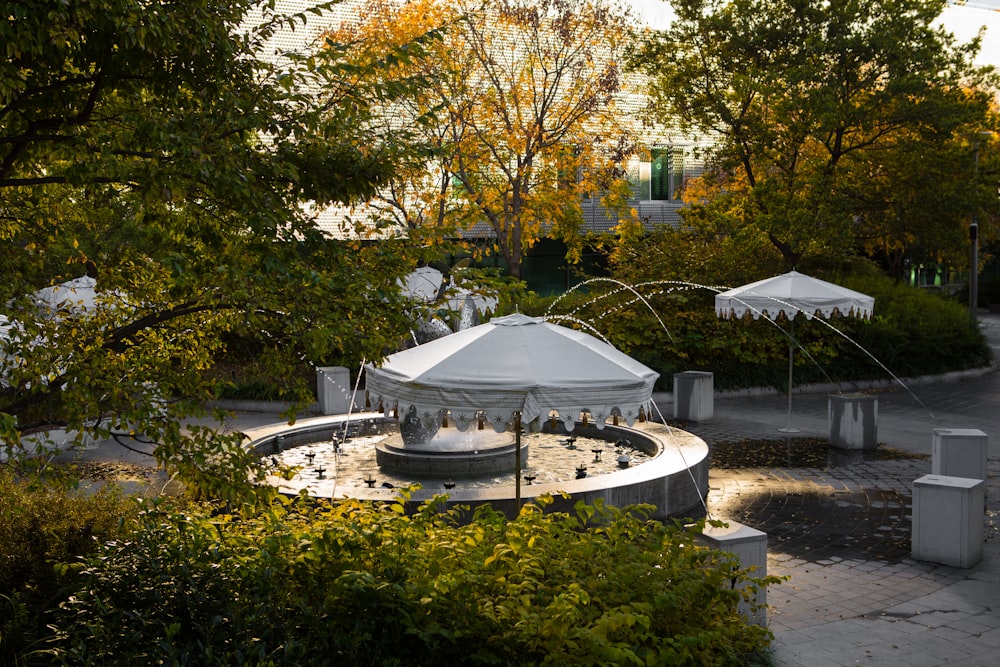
[991,638]
[974,625]
[951,633]
[840,526]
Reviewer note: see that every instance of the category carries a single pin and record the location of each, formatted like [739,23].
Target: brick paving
[835,532]
[839,527]
[853,595]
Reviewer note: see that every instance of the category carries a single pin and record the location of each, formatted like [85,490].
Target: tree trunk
[790,257]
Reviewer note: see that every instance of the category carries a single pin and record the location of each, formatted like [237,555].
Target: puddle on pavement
[802,513]
[794,453]
[824,525]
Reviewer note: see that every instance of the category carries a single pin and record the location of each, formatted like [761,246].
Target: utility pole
[974,229]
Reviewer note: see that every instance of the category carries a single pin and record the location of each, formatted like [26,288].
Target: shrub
[914,332]
[356,584]
[674,328]
[43,528]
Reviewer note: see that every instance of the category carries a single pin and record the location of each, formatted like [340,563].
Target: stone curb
[829,387]
[818,388]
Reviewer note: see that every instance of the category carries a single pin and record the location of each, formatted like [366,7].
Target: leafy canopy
[156,149]
[522,108]
[817,107]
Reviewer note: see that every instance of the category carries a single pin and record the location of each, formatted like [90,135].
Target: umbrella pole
[517,463]
[791,356]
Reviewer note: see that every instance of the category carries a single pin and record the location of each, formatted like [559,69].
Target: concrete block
[750,546]
[694,396]
[853,420]
[333,390]
[959,452]
[948,520]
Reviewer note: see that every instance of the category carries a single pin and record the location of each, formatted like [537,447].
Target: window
[660,174]
[665,176]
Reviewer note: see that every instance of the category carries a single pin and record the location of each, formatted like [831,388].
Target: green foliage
[914,332]
[43,531]
[826,113]
[132,150]
[356,584]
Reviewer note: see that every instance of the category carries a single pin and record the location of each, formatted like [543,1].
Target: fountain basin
[443,463]
[674,479]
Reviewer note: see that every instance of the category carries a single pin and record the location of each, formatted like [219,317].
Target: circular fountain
[516,376]
[666,467]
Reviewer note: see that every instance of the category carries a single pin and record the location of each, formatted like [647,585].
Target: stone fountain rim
[660,467]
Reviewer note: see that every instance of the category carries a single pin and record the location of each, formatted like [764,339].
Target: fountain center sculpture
[424,448]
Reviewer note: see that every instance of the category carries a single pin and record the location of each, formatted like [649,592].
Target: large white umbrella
[429,285]
[73,297]
[790,294]
[514,369]
[513,364]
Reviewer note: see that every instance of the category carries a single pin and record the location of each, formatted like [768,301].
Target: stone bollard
[333,390]
[948,520]
[694,396]
[853,420]
[750,546]
[959,452]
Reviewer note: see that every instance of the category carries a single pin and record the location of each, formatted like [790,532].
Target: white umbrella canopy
[790,294]
[73,297]
[422,284]
[513,364]
[429,285]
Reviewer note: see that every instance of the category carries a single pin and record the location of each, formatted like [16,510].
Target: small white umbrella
[790,294]
[514,369]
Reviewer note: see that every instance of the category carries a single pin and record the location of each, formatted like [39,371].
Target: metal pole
[788,428]
[973,265]
[517,463]
[791,371]
[974,241]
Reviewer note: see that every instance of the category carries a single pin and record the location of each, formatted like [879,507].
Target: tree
[807,97]
[912,200]
[151,146]
[522,108]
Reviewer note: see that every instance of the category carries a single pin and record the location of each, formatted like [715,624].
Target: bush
[914,332]
[42,529]
[357,584]
[674,328]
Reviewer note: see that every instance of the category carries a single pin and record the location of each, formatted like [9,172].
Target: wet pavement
[839,524]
